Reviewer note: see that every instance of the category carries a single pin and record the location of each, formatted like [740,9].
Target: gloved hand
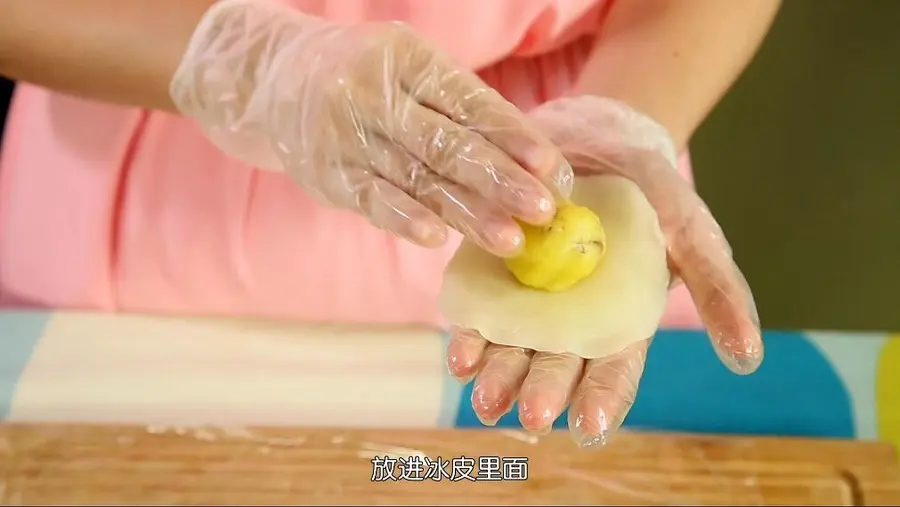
[370,118]
[604,136]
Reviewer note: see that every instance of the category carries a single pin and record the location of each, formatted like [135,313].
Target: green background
[801,164]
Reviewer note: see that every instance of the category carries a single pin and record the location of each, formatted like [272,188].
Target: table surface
[93,464]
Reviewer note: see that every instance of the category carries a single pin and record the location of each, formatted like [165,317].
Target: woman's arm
[113,50]
[674,59]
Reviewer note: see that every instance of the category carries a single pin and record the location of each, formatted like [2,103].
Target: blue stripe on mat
[19,333]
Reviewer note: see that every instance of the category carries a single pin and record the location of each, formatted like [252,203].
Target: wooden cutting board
[83,464]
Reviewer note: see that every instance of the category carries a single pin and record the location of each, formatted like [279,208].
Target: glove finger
[465,99]
[465,353]
[386,206]
[479,220]
[720,291]
[486,224]
[605,395]
[463,156]
[547,389]
[701,256]
[499,380]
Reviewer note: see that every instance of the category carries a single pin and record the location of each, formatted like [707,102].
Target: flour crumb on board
[521,436]
[370,450]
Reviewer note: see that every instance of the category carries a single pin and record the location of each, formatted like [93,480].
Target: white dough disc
[620,303]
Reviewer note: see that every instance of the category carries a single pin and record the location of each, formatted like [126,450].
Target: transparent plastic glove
[604,136]
[370,118]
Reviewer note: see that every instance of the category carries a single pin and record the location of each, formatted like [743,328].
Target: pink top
[112,208]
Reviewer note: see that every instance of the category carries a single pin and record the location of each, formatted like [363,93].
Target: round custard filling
[562,253]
